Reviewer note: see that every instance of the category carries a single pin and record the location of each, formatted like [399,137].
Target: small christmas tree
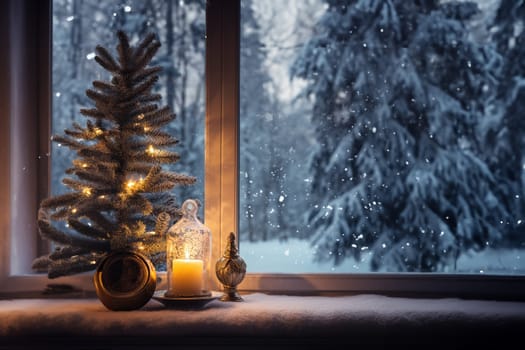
[119,195]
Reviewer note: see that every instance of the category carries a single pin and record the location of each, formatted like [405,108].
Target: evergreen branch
[159,133]
[98,97]
[149,98]
[61,200]
[124,52]
[92,112]
[162,112]
[162,140]
[152,176]
[159,118]
[162,157]
[162,223]
[105,59]
[41,264]
[74,184]
[142,74]
[146,58]
[105,87]
[101,221]
[96,154]
[143,44]
[111,144]
[167,157]
[95,204]
[109,167]
[118,80]
[124,106]
[66,141]
[137,202]
[143,109]
[67,252]
[152,247]
[179,179]
[50,232]
[146,85]
[95,178]
[74,133]
[87,230]
[169,209]
[166,199]
[61,214]
[139,167]
[73,265]
[161,187]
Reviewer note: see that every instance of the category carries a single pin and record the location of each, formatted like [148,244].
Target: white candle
[186,277]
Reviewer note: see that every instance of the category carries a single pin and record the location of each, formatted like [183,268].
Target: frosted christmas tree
[119,196]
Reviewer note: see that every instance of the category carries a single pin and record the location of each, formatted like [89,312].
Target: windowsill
[264,319]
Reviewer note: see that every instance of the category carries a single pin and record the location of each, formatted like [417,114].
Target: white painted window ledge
[263,320]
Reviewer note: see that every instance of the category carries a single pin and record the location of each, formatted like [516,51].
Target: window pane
[382,136]
[80,25]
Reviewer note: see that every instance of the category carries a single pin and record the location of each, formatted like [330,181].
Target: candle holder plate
[190,302]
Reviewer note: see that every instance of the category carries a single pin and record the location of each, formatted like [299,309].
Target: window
[364,133]
[222,176]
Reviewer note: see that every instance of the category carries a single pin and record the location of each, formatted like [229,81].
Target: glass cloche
[188,254]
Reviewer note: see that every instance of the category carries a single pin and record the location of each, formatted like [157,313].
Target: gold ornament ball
[125,281]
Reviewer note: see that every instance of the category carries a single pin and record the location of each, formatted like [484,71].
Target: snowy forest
[375,135]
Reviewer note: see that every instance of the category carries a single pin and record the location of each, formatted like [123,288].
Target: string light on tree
[118,194]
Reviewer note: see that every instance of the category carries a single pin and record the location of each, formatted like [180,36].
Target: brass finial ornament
[230,270]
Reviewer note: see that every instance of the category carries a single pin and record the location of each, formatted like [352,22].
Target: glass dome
[188,254]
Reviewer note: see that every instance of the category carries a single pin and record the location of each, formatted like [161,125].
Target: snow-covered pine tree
[505,135]
[119,196]
[399,88]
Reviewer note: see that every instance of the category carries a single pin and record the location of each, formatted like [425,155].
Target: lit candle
[186,277]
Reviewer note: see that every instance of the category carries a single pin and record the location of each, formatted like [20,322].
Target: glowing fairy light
[152,150]
[130,184]
[98,131]
[74,210]
[86,191]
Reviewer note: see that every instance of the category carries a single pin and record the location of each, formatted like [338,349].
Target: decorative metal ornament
[125,281]
[230,270]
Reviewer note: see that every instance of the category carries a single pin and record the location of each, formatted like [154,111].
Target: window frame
[26,32]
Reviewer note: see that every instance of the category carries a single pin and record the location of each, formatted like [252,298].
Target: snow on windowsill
[263,316]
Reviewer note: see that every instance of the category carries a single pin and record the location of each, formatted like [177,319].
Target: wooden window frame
[24,175]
